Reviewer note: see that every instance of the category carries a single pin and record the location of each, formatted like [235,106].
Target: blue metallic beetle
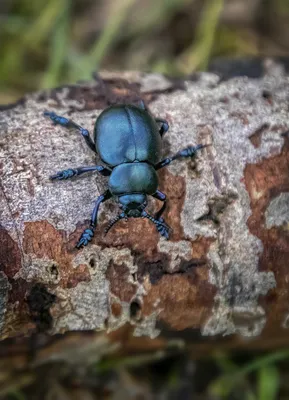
[128,140]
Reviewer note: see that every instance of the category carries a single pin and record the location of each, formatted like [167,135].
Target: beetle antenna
[114,221]
[155,221]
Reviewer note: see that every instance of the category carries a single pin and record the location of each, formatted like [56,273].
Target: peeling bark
[223,272]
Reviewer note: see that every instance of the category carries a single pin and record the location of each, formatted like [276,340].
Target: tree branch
[224,270]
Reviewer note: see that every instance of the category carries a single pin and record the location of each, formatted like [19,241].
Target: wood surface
[221,279]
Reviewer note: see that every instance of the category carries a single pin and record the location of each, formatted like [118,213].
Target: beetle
[128,140]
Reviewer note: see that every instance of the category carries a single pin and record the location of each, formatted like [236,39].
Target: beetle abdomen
[133,178]
[125,133]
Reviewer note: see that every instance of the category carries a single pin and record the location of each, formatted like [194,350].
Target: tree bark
[221,278]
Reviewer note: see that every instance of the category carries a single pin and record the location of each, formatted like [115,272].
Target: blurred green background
[45,43]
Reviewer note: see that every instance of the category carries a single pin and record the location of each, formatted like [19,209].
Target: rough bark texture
[224,271]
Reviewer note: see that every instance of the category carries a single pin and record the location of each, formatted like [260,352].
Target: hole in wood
[92,263]
[135,310]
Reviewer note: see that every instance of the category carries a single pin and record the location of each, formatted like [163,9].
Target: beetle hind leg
[68,123]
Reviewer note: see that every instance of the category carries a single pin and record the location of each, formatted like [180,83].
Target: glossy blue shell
[125,133]
[133,178]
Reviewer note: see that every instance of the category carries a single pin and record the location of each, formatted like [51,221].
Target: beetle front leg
[70,172]
[68,123]
[187,152]
[163,228]
[162,197]
[88,234]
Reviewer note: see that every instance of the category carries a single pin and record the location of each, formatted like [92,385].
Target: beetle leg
[187,152]
[162,197]
[164,125]
[88,234]
[68,123]
[69,173]
[163,229]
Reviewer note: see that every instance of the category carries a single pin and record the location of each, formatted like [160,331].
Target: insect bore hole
[92,262]
[135,310]
[53,270]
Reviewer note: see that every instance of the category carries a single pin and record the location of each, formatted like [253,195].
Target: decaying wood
[224,272]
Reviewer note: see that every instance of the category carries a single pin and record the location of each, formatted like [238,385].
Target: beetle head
[133,204]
